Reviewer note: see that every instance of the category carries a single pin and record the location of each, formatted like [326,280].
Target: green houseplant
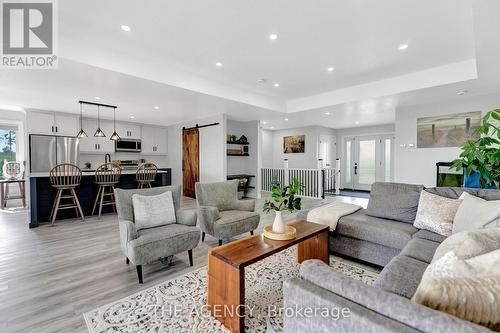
[482,156]
[283,199]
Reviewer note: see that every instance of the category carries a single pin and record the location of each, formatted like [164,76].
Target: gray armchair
[145,245]
[221,214]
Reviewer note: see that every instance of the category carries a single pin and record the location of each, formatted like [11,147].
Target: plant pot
[279,225]
[472,181]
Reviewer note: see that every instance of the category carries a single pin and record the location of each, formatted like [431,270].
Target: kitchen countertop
[89,173]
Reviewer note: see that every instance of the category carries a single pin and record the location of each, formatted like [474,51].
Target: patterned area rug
[179,305]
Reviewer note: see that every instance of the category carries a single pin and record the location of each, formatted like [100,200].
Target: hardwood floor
[50,276]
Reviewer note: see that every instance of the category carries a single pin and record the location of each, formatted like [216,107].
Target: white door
[327,150]
[367,159]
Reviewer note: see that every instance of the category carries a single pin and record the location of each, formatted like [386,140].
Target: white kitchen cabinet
[154,140]
[128,131]
[93,145]
[52,123]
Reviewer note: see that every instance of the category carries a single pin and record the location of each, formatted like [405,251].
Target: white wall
[418,165]
[212,149]
[306,160]
[242,164]
[267,150]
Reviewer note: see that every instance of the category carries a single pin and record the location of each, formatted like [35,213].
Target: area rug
[179,305]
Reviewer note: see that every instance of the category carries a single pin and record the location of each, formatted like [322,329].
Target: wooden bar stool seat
[65,177]
[145,174]
[106,177]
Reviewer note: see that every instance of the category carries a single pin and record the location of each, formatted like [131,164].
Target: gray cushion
[363,250]
[420,249]
[124,206]
[235,222]
[401,276]
[429,235]
[161,242]
[455,192]
[394,201]
[220,194]
[380,231]
[153,210]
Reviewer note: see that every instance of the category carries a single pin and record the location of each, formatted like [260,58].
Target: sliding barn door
[190,161]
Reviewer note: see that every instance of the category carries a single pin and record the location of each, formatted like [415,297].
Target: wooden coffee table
[226,267]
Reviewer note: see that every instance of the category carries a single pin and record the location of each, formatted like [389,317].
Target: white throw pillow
[435,213]
[476,213]
[153,210]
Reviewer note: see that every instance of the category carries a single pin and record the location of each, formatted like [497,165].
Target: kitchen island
[42,194]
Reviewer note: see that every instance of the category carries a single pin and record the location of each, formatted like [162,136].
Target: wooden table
[226,267]
[4,191]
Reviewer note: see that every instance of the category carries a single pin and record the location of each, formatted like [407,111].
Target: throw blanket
[330,214]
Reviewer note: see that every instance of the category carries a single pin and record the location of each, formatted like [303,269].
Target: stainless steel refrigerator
[46,151]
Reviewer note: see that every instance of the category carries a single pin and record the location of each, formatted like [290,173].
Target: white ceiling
[168,59]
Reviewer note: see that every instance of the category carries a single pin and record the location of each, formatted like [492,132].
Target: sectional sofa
[403,250]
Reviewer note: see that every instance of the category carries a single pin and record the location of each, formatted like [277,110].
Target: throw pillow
[153,210]
[476,299]
[469,244]
[476,213]
[394,201]
[435,213]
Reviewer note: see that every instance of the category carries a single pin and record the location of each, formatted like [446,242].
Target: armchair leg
[202,237]
[127,261]
[139,273]
[190,254]
[220,242]
[251,232]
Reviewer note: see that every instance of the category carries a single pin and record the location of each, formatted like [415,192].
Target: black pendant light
[81,134]
[114,136]
[99,133]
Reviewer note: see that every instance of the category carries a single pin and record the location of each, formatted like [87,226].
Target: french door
[367,159]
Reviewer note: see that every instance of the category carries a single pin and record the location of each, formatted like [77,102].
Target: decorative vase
[279,225]
[472,181]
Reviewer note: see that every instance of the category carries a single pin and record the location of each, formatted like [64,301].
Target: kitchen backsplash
[98,159]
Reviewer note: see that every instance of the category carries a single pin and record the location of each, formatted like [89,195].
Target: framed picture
[294,144]
[448,130]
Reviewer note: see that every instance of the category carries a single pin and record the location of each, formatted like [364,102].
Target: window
[7,147]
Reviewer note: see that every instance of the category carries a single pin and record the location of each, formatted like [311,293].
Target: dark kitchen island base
[42,195]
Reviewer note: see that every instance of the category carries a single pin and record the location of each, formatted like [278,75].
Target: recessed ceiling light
[462,92]
[156,107]
[264,122]
[262,80]
[330,69]
[132,117]
[327,113]
[97,98]
[272,127]
[218,64]
[403,47]
[276,85]
[357,122]
[126,28]
[273,36]
[286,119]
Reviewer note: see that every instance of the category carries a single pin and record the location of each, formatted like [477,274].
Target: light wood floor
[50,276]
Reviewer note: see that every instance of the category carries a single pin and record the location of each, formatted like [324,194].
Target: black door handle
[355,168]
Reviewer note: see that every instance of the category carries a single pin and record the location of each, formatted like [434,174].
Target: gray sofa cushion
[455,192]
[420,249]
[161,242]
[401,276]
[376,230]
[235,222]
[429,235]
[394,201]
[363,250]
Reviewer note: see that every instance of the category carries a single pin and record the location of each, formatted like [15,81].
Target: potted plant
[480,158]
[283,199]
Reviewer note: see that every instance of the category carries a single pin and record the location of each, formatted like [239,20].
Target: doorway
[367,159]
[327,150]
[190,161]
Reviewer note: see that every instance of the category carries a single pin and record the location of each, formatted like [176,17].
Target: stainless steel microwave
[128,145]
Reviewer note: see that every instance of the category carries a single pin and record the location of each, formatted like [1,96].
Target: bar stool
[65,177]
[14,173]
[145,174]
[106,177]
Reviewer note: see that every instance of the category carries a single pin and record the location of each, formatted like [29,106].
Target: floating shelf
[238,154]
[237,143]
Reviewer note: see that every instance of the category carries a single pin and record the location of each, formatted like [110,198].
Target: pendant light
[114,136]
[99,133]
[81,134]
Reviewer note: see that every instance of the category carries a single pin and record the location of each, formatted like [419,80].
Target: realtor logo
[28,34]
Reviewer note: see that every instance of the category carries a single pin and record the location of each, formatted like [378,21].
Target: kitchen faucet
[107,158]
